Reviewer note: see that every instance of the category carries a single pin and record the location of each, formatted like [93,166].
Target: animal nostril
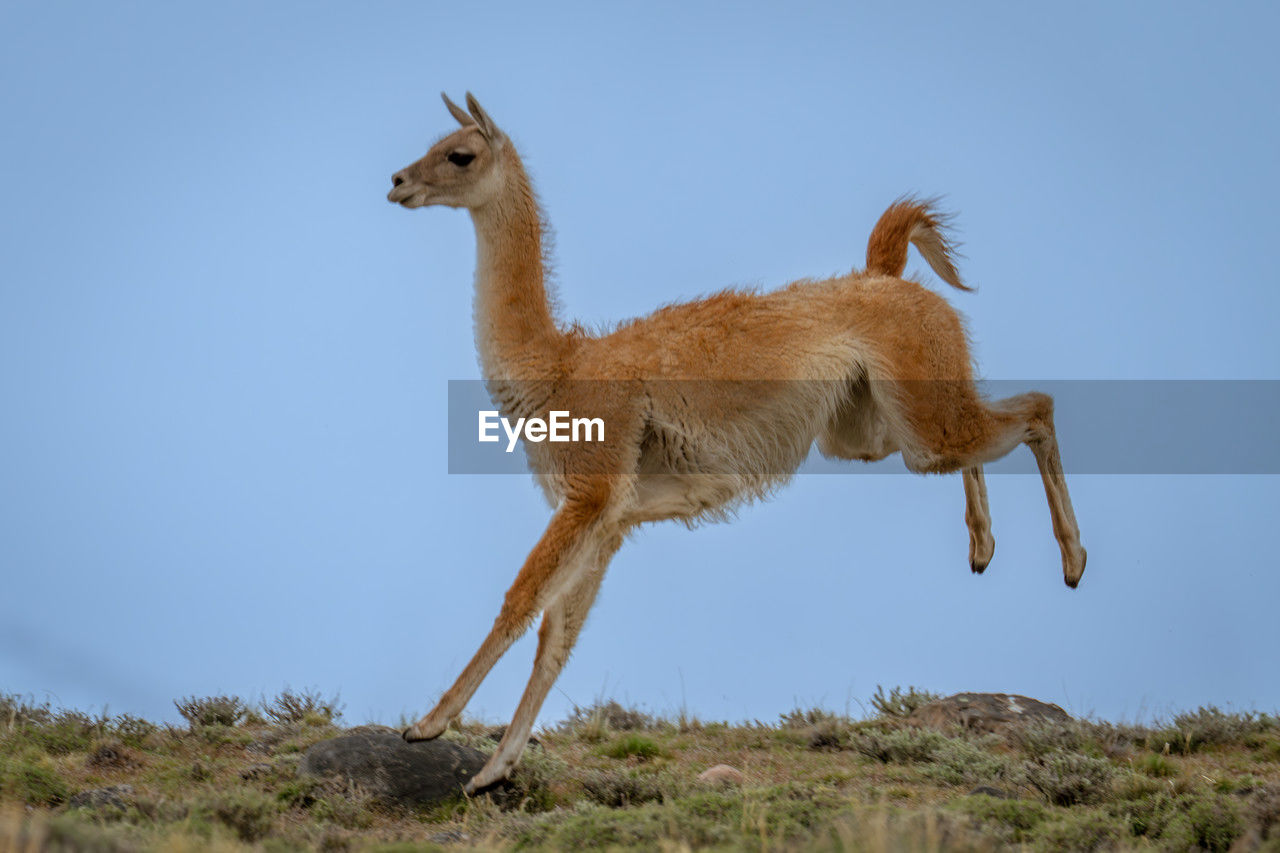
[397,180]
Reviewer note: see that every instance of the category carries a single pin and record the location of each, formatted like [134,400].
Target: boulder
[392,770]
[986,712]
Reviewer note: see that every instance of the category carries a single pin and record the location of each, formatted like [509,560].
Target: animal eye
[460,158]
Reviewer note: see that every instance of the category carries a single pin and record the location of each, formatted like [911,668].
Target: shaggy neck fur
[516,333]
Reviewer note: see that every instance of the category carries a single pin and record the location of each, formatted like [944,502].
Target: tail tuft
[911,220]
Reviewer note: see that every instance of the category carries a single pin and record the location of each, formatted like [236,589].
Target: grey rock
[393,770]
[372,729]
[986,712]
[255,771]
[113,797]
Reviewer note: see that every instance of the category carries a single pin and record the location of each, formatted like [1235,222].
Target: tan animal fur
[707,403]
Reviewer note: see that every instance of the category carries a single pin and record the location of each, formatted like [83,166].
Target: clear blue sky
[224,356]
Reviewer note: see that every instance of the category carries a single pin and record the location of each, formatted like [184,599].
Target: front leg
[545,573]
[556,638]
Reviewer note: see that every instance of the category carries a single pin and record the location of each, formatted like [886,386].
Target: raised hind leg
[977,515]
[1029,419]
[947,426]
[556,562]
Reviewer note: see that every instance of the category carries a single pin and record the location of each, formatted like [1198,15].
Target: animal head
[465,169]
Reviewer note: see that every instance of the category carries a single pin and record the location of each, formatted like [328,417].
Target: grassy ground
[610,777]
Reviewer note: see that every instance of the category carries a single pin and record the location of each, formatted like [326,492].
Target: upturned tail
[912,220]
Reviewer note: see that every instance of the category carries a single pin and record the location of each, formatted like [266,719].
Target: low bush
[1070,779]
[897,703]
[1156,765]
[900,746]
[302,707]
[1080,831]
[212,710]
[632,745]
[248,814]
[622,788]
[33,783]
[604,717]
[1015,819]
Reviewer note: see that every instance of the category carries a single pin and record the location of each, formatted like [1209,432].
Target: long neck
[516,334]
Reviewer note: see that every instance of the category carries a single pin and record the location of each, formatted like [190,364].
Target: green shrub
[531,783]
[300,793]
[1085,830]
[638,745]
[1267,748]
[211,710]
[958,761]
[830,734]
[133,731]
[1016,817]
[897,704]
[16,711]
[62,732]
[350,810]
[306,706]
[34,784]
[1215,822]
[593,723]
[803,718]
[1041,739]
[1263,812]
[1146,814]
[902,746]
[247,813]
[650,826]
[1209,726]
[1156,765]
[621,788]
[111,754]
[1070,779]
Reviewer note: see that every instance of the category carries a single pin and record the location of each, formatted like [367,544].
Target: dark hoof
[1084,560]
[978,568]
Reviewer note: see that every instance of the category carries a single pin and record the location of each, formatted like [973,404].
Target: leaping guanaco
[707,403]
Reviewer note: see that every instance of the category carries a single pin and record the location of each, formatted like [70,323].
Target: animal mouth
[408,196]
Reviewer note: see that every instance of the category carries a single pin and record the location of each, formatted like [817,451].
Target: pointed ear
[457,112]
[486,125]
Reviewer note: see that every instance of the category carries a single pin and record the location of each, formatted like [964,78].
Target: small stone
[253,771]
[113,797]
[722,774]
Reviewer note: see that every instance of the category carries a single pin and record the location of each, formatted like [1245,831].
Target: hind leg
[951,427]
[977,515]
[1029,418]
[1044,444]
